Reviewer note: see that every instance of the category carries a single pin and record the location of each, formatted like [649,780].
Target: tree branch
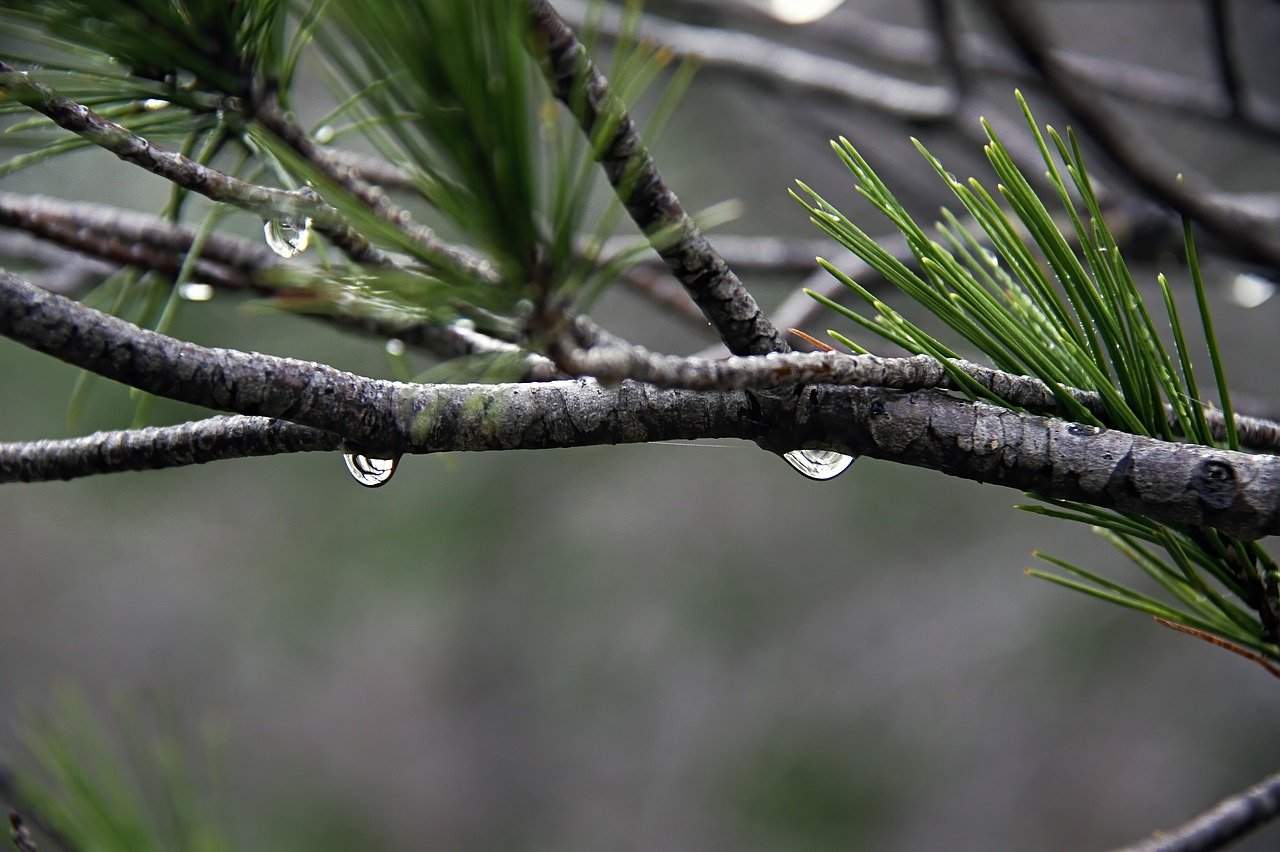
[136,239]
[763,60]
[655,209]
[156,448]
[612,362]
[1227,822]
[187,173]
[1224,57]
[1147,166]
[441,254]
[1236,493]
[847,30]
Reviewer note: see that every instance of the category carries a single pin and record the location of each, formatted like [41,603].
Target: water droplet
[324,134]
[194,292]
[370,472]
[1083,429]
[288,237]
[992,259]
[1250,291]
[154,104]
[395,347]
[819,464]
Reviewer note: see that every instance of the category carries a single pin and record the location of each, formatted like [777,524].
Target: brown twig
[1218,641]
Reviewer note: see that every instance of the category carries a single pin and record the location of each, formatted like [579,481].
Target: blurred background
[662,646]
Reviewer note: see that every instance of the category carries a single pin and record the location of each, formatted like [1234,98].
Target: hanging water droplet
[288,237]
[395,347]
[819,464]
[195,292]
[1250,291]
[370,472]
[154,104]
[324,134]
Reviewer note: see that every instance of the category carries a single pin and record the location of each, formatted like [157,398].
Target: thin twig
[148,242]
[942,19]
[1224,56]
[771,62]
[19,834]
[653,206]
[444,256]
[1219,642]
[187,173]
[60,270]
[1228,821]
[156,448]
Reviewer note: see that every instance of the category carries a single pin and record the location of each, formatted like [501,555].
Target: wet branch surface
[1176,483]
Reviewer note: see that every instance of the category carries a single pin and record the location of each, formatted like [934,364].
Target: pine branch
[129,238]
[612,363]
[1227,822]
[39,214]
[653,206]
[444,256]
[1182,484]
[184,172]
[155,448]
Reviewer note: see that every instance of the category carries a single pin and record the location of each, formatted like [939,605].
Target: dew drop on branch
[287,236]
[819,464]
[369,471]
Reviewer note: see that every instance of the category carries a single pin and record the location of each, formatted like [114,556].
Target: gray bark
[715,288]
[1174,483]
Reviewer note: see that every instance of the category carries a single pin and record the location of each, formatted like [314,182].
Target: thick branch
[1229,820]
[653,206]
[611,362]
[1174,483]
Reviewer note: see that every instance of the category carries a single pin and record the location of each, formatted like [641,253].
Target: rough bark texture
[1172,483]
[1175,483]
[612,363]
[159,447]
[723,299]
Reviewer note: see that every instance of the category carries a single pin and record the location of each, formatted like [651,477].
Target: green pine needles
[1057,301]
